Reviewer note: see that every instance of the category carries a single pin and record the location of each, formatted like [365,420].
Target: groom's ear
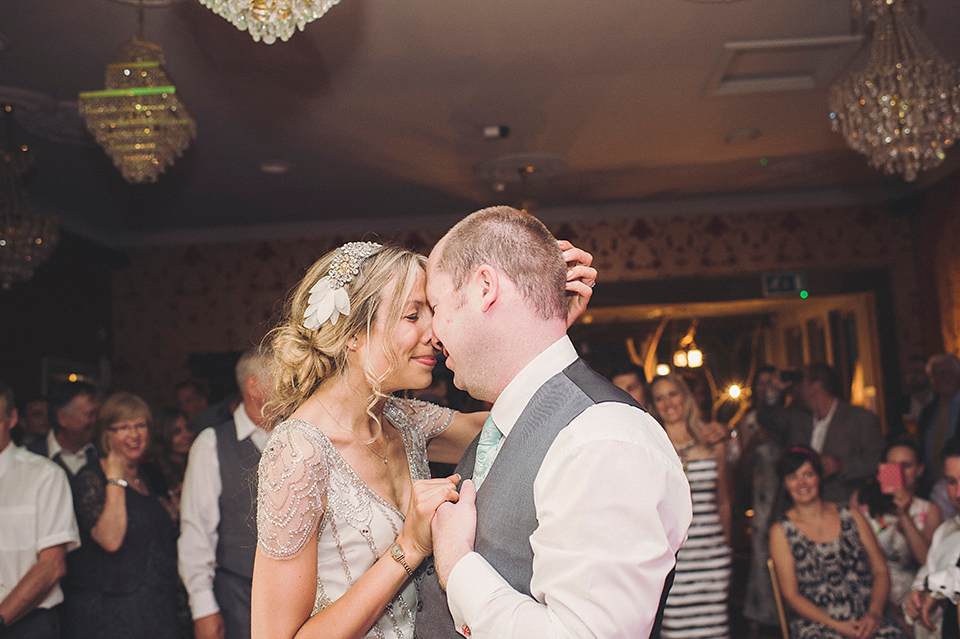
[487,280]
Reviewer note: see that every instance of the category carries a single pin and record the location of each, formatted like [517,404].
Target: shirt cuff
[203,603]
[942,584]
[470,588]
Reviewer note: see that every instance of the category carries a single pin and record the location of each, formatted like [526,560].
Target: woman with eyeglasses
[124,576]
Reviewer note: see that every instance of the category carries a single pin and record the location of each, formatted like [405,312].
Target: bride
[344,496]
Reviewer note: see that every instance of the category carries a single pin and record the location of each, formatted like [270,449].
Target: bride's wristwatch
[396,551]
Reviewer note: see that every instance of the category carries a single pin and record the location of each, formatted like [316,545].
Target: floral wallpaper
[174,301]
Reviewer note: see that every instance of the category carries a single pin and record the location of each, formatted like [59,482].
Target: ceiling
[378,108]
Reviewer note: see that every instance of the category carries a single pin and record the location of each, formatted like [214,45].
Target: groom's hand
[454,530]
[581,278]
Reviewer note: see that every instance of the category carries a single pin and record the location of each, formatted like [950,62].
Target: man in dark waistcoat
[581,502]
[218,532]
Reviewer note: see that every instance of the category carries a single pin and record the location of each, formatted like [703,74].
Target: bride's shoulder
[295,440]
[417,414]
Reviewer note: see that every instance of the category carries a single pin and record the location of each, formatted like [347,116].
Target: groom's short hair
[516,243]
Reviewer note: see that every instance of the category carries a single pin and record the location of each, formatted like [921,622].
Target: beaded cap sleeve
[292,482]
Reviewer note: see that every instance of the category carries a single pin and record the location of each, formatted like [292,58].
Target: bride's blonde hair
[304,358]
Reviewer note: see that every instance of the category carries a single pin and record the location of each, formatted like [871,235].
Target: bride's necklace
[365,442]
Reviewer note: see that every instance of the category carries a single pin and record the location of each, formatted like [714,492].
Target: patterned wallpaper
[173,301]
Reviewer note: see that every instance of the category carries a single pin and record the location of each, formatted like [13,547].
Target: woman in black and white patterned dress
[697,603]
[830,568]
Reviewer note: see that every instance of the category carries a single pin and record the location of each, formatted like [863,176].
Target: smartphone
[890,477]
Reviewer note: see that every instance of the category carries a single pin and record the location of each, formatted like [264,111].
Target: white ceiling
[379,107]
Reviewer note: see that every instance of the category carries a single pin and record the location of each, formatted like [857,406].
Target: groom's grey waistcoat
[506,513]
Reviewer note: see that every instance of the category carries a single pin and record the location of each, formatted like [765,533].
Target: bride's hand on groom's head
[581,277]
[454,531]
[426,496]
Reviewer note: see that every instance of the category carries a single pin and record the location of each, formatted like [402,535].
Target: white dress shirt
[200,513]
[73,461]
[940,574]
[36,513]
[613,507]
[820,427]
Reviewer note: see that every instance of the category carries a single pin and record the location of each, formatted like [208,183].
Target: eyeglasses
[129,428]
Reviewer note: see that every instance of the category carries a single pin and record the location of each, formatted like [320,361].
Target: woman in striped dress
[697,604]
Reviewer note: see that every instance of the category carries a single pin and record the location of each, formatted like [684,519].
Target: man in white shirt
[582,502]
[938,581]
[849,438]
[70,442]
[37,529]
[217,510]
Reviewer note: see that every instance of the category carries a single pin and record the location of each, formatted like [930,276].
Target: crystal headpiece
[328,300]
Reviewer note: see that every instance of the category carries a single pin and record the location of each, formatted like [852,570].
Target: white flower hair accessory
[328,300]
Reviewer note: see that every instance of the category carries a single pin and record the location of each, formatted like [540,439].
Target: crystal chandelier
[138,119]
[26,237]
[903,109]
[269,19]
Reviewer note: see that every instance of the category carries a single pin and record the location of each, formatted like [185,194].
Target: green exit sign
[784,285]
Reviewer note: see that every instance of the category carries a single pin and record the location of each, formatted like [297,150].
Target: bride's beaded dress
[302,476]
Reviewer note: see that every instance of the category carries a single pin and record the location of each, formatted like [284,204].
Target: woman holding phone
[902,522]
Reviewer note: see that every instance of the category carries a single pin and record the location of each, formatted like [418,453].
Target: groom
[581,502]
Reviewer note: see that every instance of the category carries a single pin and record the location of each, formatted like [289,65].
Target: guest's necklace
[816,525]
[365,442]
[682,453]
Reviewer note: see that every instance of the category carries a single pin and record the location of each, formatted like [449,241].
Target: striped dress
[697,604]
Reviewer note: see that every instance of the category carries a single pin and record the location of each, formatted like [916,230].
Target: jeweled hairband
[328,300]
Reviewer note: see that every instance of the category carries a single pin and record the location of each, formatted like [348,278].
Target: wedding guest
[697,603]
[632,379]
[218,535]
[932,602]
[902,522]
[34,424]
[37,530]
[191,398]
[848,438]
[125,578]
[940,419]
[919,392]
[70,442]
[172,438]
[757,469]
[829,567]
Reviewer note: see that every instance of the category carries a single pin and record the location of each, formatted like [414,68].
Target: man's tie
[490,437]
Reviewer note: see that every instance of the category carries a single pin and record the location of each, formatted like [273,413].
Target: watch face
[396,551]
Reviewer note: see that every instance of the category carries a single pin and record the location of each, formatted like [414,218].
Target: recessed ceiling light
[509,168]
[275,167]
[742,135]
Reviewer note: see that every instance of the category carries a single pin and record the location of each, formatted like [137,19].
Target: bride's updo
[307,354]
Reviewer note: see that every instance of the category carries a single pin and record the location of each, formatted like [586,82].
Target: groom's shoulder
[595,386]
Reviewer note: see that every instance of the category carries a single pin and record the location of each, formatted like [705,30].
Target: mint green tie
[490,437]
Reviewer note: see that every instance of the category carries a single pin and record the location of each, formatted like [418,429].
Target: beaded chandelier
[138,118]
[269,19]
[902,110]
[26,237]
